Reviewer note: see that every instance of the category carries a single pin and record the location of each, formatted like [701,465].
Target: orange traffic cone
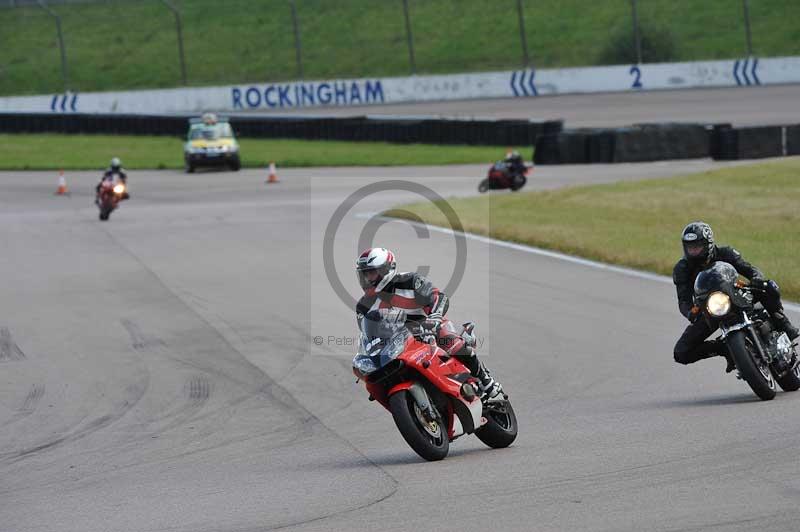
[273,176]
[62,184]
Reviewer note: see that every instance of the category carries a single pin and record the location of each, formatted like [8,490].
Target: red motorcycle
[109,196]
[500,176]
[432,396]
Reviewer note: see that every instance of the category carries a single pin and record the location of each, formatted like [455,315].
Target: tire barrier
[553,144]
[752,142]
[793,140]
[388,129]
[657,142]
[638,143]
[715,141]
[760,142]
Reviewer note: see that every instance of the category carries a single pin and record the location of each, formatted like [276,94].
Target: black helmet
[698,242]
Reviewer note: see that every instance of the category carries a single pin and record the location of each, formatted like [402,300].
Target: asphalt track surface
[741,106]
[159,372]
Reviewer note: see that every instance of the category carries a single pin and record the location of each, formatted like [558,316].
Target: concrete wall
[520,84]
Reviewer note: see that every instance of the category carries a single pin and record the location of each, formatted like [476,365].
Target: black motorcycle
[762,354]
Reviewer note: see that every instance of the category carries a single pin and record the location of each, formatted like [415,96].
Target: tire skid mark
[32,400]
[268,387]
[139,340]
[8,349]
[198,389]
[29,405]
[133,394]
[292,431]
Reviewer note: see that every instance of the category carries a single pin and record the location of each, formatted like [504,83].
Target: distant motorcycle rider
[514,163]
[113,172]
[700,252]
[386,288]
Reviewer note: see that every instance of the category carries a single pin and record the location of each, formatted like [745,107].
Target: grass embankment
[128,45]
[78,152]
[753,208]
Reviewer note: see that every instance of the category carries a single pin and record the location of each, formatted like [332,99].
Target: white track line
[630,272]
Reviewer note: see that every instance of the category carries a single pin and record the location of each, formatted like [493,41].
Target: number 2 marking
[637,82]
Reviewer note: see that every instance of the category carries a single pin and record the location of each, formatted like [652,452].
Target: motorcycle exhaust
[468,391]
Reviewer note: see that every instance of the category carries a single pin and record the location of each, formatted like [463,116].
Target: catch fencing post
[60,44]
[410,38]
[525,58]
[297,45]
[179,29]
[746,6]
[637,38]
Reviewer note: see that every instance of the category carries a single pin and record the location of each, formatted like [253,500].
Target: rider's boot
[729,359]
[718,347]
[490,388]
[783,324]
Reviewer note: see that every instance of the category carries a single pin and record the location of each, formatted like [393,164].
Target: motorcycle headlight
[718,304]
[364,365]
[395,347]
[119,189]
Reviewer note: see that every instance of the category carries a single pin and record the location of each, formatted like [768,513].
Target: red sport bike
[501,177]
[431,395]
[109,196]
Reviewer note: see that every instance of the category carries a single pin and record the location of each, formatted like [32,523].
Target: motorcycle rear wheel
[759,378]
[518,183]
[429,440]
[501,426]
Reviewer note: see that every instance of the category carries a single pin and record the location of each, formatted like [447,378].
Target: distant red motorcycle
[109,196]
[501,177]
[432,396]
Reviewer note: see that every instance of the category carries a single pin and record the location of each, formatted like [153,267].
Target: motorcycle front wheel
[791,381]
[483,186]
[752,369]
[429,439]
[500,429]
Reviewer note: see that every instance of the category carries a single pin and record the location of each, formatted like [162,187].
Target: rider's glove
[433,322]
[760,284]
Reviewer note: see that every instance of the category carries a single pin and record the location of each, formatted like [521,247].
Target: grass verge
[80,152]
[638,224]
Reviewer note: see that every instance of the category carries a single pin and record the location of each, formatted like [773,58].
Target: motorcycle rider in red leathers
[385,288]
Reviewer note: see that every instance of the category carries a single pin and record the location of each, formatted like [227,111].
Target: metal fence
[118,44]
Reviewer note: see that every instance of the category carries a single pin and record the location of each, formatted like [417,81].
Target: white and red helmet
[379,260]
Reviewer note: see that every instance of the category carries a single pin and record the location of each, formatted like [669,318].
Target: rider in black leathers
[700,252]
[514,163]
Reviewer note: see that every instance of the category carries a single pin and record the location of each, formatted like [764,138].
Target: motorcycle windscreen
[383,337]
[720,277]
